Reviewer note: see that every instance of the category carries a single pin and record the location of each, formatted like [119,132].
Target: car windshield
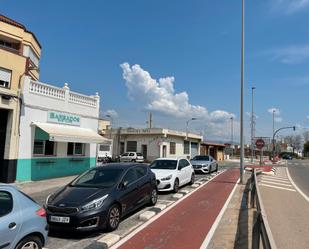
[98,178]
[164,164]
[201,158]
[139,154]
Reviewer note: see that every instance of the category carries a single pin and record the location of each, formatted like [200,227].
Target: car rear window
[6,203]
[139,154]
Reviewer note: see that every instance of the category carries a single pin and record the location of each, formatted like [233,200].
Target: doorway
[144,151]
[164,150]
[3,125]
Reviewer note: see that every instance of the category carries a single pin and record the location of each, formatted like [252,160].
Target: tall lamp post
[187,126]
[252,125]
[274,134]
[232,136]
[242,151]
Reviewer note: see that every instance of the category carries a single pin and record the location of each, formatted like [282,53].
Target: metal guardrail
[261,233]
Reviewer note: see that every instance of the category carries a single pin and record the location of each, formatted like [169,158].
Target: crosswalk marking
[271,186]
[275,180]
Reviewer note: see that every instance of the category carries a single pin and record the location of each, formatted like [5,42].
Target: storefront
[58,132]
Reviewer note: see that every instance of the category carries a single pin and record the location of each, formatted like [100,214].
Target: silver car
[132,157]
[204,164]
[22,221]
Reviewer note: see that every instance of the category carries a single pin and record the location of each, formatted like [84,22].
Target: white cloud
[292,54]
[159,95]
[291,6]
[307,117]
[271,110]
[278,119]
[112,113]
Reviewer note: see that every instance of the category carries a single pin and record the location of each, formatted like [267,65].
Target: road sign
[259,143]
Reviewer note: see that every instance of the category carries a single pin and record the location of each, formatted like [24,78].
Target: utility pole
[232,138]
[242,151]
[252,125]
[274,145]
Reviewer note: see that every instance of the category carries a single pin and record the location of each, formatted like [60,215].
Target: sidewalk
[187,224]
[235,227]
[40,186]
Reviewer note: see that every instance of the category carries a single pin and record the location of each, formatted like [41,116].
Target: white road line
[147,223]
[218,219]
[296,187]
[271,186]
[277,183]
[274,180]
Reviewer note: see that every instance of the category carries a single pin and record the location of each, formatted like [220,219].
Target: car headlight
[205,165]
[166,178]
[94,204]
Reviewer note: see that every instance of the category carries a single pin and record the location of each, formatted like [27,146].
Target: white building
[58,130]
[155,142]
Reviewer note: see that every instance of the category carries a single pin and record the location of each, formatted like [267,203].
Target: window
[130,177]
[104,147]
[5,78]
[186,147]
[6,203]
[141,171]
[172,148]
[43,148]
[28,52]
[131,146]
[75,149]
[183,163]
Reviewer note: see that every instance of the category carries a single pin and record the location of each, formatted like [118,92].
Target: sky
[178,59]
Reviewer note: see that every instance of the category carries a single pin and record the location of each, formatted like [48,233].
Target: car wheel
[176,186]
[153,197]
[192,179]
[30,242]
[113,217]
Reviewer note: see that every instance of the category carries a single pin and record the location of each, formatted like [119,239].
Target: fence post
[256,232]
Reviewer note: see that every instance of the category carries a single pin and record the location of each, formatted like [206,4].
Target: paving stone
[109,239]
[177,196]
[195,185]
[147,215]
[160,206]
[185,191]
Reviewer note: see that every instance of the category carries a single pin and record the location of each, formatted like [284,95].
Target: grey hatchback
[23,222]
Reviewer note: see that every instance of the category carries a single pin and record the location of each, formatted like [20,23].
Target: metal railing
[261,233]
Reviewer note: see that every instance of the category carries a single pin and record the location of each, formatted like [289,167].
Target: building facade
[20,53]
[215,150]
[155,142]
[59,132]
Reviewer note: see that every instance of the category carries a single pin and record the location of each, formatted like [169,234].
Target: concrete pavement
[287,211]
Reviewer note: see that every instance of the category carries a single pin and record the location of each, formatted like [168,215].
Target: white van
[105,151]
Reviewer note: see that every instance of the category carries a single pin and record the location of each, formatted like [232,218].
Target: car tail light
[41,212]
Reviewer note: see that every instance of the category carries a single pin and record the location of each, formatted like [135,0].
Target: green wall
[45,168]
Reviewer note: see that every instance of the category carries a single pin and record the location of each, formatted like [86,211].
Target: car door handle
[12,225]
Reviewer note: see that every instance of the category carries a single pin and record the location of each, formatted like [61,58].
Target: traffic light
[294,128]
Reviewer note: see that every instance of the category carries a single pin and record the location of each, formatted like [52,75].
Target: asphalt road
[72,240]
[299,172]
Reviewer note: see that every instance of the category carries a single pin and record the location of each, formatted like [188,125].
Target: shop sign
[63,118]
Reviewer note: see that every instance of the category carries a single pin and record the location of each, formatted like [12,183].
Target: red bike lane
[186,225]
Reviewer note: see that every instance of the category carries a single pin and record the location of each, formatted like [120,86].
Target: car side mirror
[179,168]
[123,185]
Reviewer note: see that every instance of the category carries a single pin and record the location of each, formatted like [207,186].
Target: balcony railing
[46,90]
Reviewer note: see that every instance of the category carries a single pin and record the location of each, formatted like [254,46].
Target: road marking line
[274,180]
[218,219]
[296,187]
[271,186]
[147,223]
[277,183]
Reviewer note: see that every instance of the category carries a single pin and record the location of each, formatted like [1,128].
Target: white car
[132,157]
[204,164]
[172,173]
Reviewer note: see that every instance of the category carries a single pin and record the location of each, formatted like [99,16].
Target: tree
[306,136]
[306,149]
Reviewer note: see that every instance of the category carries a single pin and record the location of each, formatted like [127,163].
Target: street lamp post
[232,134]
[187,126]
[274,134]
[242,151]
[252,125]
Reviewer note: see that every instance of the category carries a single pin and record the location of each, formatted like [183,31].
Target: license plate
[60,219]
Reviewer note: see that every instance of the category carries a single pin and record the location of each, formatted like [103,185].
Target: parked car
[204,164]
[287,157]
[172,173]
[22,221]
[101,196]
[132,157]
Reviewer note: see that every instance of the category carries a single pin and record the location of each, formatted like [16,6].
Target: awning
[66,133]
